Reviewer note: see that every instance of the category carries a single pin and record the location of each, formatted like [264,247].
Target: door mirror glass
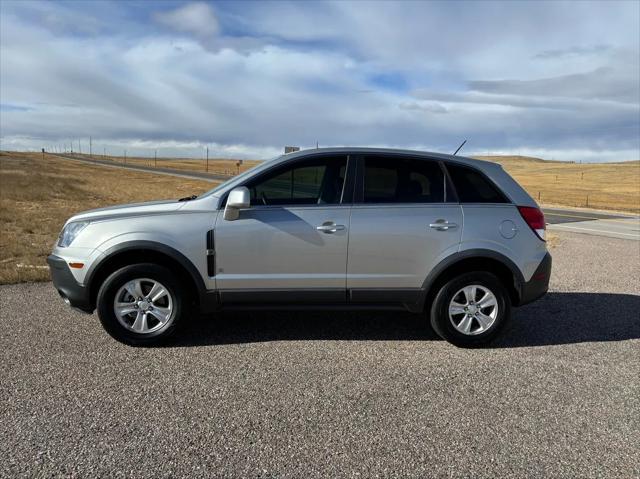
[238,199]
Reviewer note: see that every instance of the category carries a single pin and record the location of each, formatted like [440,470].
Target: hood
[132,209]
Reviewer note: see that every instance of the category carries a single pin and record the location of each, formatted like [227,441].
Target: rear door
[403,222]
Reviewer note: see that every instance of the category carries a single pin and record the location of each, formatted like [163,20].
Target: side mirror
[238,199]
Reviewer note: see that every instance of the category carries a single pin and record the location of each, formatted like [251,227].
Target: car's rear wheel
[142,304]
[470,309]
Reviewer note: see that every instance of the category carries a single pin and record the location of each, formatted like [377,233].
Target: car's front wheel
[471,309]
[141,304]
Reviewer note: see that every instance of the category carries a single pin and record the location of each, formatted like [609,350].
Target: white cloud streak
[195,18]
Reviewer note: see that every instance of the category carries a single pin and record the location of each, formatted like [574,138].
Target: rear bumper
[538,285]
[76,295]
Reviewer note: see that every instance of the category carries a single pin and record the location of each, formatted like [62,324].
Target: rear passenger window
[473,187]
[402,180]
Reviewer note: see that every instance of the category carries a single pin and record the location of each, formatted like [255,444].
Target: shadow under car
[558,318]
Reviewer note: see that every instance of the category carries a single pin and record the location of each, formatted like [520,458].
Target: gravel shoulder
[327,394]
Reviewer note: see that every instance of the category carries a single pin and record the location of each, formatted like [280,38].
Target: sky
[557,80]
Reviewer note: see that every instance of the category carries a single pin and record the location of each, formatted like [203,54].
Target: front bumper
[538,285]
[75,294]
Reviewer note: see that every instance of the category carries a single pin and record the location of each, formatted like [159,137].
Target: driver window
[307,182]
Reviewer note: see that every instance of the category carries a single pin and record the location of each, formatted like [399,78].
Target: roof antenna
[459,147]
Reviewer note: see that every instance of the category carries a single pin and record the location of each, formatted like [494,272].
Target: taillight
[535,219]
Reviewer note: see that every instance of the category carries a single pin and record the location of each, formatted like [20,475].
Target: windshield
[239,177]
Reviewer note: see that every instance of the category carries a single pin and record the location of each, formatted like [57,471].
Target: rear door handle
[329,227]
[442,225]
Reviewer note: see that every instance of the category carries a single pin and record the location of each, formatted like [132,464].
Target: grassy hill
[611,186]
[37,196]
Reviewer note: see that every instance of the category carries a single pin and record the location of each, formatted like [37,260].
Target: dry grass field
[36,198]
[608,186]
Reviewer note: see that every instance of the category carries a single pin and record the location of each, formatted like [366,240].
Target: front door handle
[442,225]
[329,227]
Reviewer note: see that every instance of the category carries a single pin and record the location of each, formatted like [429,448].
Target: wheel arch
[474,260]
[144,251]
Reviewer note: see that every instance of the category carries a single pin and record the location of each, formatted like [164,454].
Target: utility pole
[79,148]
[207,159]
[125,157]
[90,148]
[155,159]
[104,151]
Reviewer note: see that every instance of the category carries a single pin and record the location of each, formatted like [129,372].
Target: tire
[481,321]
[135,320]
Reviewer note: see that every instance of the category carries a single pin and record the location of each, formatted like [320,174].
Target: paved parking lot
[325,394]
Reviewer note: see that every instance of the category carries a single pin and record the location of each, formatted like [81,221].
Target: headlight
[70,231]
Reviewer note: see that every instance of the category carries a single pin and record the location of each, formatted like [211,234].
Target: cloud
[574,51]
[621,84]
[194,18]
[248,78]
[426,106]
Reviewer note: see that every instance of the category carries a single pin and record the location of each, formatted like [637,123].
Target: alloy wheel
[473,310]
[144,305]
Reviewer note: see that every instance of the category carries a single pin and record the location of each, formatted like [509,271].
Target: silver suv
[454,238]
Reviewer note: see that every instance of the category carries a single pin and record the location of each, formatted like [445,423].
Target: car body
[331,228]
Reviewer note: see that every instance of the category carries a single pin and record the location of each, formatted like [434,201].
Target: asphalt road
[595,223]
[195,175]
[334,394]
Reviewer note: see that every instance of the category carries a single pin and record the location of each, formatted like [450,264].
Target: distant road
[195,175]
[614,225]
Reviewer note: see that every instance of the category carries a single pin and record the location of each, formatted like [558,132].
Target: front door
[291,244]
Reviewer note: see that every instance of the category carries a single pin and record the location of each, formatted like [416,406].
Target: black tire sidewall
[440,309]
[116,280]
